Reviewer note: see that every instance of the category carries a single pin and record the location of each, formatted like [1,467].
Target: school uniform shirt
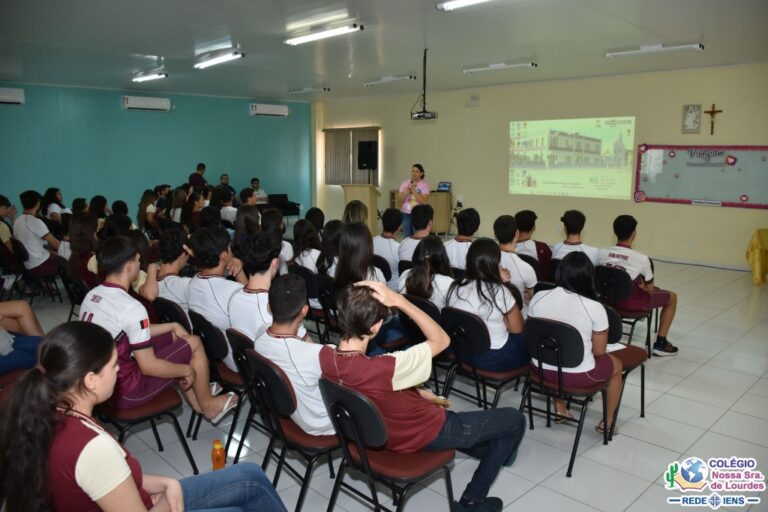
[387,247]
[126,319]
[527,248]
[300,361]
[229,213]
[467,299]
[407,248]
[521,275]
[54,208]
[249,313]
[440,285]
[286,255]
[174,288]
[586,315]
[64,250]
[563,249]
[632,262]
[308,260]
[210,296]
[176,215]
[85,463]
[29,230]
[5,232]
[457,252]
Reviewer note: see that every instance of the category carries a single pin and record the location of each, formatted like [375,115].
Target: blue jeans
[240,488]
[389,331]
[512,355]
[24,355]
[492,436]
[407,225]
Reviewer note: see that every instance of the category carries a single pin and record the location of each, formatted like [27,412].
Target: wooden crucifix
[712,113]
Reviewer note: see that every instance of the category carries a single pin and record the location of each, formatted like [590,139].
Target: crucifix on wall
[712,113]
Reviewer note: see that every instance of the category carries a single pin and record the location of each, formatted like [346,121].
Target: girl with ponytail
[55,456]
[431,275]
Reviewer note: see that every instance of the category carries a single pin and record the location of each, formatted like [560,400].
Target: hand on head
[381,292]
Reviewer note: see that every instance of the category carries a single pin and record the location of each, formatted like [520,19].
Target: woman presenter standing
[412,192]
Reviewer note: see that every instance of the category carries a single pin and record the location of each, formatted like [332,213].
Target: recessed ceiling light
[320,19]
[146,77]
[339,31]
[655,48]
[207,60]
[498,66]
[458,4]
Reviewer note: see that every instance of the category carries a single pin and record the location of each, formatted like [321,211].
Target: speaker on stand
[368,157]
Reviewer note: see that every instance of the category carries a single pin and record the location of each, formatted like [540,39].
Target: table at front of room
[757,256]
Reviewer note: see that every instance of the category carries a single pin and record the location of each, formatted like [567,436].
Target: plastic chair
[313,292]
[383,265]
[613,285]
[533,262]
[404,265]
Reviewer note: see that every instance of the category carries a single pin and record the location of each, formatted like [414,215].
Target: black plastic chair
[469,338]
[560,345]
[613,285]
[313,292]
[404,265]
[76,291]
[277,402]
[327,297]
[458,273]
[554,264]
[533,262]
[383,265]
[169,311]
[543,286]
[362,433]
[38,284]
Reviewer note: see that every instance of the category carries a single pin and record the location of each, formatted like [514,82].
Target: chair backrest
[8,261]
[554,343]
[612,283]
[239,344]
[382,264]
[468,332]
[75,288]
[554,264]
[354,416]
[273,382]
[310,279]
[213,339]
[412,330]
[169,311]
[615,326]
[533,262]
[458,273]
[404,265]
[19,251]
[543,286]
[327,297]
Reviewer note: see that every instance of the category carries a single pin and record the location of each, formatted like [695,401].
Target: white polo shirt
[54,208]
[112,308]
[308,260]
[407,248]
[249,312]
[229,213]
[527,248]
[300,361]
[586,315]
[457,252]
[466,298]
[286,255]
[210,296]
[387,248]
[632,262]
[175,289]
[440,285]
[29,230]
[563,249]
[521,275]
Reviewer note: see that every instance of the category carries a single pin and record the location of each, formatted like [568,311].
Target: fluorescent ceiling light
[306,90]
[499,65]
[655,48]
[324,34]
[458,4]
[320,19]
[208,60]
[385,79]
[146,77]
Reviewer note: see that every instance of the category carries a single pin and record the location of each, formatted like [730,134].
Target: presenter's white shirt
[457,252]
[300,360]
[209,296]
[387,248]
[527,248]
[586,315]
[563,249]
[29,230]
[407,248]
[440,285]
[632,262]
[467,299]
[521,275]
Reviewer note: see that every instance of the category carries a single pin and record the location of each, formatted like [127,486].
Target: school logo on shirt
[144,323]
[732,476]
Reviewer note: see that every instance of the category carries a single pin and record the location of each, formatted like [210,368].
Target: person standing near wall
[411,193]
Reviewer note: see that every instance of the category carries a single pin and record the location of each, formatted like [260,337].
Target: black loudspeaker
[368,154]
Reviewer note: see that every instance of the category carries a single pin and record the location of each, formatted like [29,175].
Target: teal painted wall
[83,142]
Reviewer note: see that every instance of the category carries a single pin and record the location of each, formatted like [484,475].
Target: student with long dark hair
[146,214]
[356,257]
[272,222]
[431,276]
[486,292]
[316,216]
[70,463]
[306,244]
[355,211]
[52,205]
[84,245]
[329,248]
[98,207]
[574,302]
[190,214]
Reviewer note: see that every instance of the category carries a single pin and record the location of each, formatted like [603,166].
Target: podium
[442,204]
[369,196]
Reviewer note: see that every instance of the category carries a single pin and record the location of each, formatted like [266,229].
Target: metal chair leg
[157,436]
[337,485]
[184,444]
[578,437]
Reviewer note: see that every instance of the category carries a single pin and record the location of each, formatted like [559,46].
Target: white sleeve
[507,302]
[412,366]
[599,317]
[101,467]
[135,323]
[38,228]
[528,275]
[645,269]
[402,279]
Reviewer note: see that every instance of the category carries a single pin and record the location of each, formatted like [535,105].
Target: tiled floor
[710,400]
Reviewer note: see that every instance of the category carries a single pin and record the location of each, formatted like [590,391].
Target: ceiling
[101,43]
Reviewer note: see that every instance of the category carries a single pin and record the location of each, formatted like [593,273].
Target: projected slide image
[591,157]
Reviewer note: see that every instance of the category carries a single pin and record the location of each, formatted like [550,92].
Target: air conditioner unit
[10,96]
[261,109]
[144,103]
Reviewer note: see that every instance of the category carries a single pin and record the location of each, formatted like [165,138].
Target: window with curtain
[341,152]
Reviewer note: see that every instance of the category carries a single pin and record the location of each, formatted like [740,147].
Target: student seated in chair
[20,333]
[521,274]
[431,275]
[573,224]
[386,246]
[151,357]
[527,246]
[296,355]
[467,223]
[574,302]
[415,421]
[645,296]
[33,235]
[174,256]
[421,220]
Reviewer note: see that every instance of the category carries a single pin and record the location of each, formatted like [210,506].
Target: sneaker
[664,348]
[487,505]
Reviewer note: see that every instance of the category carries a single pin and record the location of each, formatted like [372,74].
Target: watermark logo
[728,479]
[691,474]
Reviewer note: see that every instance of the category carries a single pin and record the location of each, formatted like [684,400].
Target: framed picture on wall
[691,118]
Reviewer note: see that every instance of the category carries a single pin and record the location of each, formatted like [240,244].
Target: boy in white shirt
[210,291]
[272,222]
[467,223]
[32,232]
[521,274]
[295,355]
[645,296]
[174,256]
[386,246]
[421,220]
[526,246]
[573,224]
[228,212]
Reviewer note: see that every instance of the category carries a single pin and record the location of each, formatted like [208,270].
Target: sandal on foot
[562,417]
[228,406]
[600,427]
[216,389]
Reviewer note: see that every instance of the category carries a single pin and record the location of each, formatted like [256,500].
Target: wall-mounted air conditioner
[144,103]
[11,96]
[261,109]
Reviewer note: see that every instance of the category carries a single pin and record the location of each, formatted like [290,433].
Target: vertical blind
[341,155]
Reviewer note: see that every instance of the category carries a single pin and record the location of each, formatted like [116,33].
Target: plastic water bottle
[218,457]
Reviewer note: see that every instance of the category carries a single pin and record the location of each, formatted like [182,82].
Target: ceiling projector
[423,114]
